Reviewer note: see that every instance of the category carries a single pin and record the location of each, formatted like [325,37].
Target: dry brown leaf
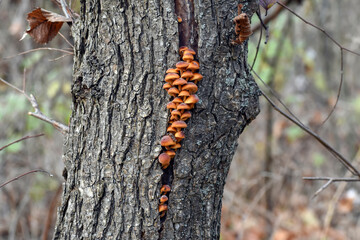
[44,25]
[282,234]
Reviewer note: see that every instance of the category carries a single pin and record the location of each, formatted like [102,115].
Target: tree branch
[329,180]
[22,175]
[21,139]
[334,152]
[38,114]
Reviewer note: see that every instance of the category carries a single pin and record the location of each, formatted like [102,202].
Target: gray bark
[113,179]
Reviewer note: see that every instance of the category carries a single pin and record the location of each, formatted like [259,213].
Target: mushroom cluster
[181,86]
[242,26]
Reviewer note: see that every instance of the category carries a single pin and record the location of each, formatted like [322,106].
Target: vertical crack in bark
[188,36]
[188,27]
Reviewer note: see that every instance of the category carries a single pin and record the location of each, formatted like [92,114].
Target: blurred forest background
[265,196]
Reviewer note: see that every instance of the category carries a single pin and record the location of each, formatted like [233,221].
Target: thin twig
[38,114]
[58,58]
[332,179]
[334,152]
[257,50]
[318,28]
[278,98]
[270,17]
[329,180]
[37,49]
[22,175]
[336,43]
[340,86]
[21,139]
[66,40]
[264,26]
[24,80]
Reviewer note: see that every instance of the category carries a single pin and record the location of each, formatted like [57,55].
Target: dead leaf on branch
[44,25]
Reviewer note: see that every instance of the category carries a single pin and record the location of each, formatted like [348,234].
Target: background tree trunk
[122,50]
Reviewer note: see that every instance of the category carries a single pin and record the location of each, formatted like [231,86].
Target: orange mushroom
[179,136]
[165,189]
[185,116]
[162,209]
[179,124]
[187,57]
[173,91]
[191,87]
[164,159]
[172,70]
[167,141]
[170,77]
[163,199]
[171,153]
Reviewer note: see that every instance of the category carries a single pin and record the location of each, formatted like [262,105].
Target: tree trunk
[113,178]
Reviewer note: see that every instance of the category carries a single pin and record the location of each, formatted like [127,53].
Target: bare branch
[318,28]
[21,139]
[66,40]
[22,175]
[264,26]
[38,114]
[329,180]
[336,43]
[334,152]
[58,58]
[42,48]
[257,50]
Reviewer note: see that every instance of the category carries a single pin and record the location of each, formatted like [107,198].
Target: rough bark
[122,50]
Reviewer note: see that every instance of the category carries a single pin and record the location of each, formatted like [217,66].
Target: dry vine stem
[181,86]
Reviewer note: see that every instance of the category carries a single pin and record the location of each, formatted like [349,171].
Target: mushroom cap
[174,118]
[165,189]
[167,141]
[176,146]
[187,56]
[163,199]
[180,135]
[184,93]
[177,100]
[185,116]
[191,87]
[189,50]
[182,50]
[163,208]
[172,70]
[171,105]
[179,81]
[182,65]
[173,91]
[192,99]
[183,106]
[196,77]
[171,129]
[179,124]
[166,86]
[171,153]
[164,159]
[187,74]
[176,112]
[171,77]
[193,66]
